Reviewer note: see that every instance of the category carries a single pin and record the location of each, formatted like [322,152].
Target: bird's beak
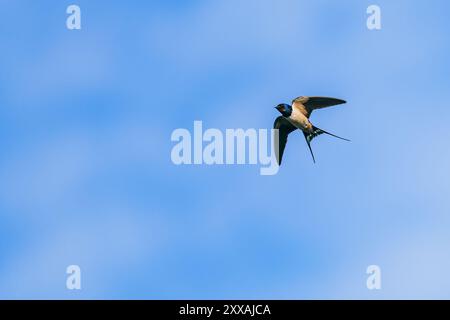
[279,108]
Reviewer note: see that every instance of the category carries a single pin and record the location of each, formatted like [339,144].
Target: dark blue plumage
[284,109]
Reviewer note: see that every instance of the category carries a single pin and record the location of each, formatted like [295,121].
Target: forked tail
[316,132]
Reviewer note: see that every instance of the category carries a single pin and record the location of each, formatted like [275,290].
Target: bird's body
[299,119]
[296,116]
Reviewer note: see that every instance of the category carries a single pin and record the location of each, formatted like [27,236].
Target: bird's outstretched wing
[308,104]
[284,128]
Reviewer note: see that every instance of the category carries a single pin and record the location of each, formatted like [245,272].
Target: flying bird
[296,116]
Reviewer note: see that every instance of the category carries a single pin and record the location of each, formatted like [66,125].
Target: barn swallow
[296,116]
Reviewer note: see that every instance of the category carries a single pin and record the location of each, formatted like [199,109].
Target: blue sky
[86,177]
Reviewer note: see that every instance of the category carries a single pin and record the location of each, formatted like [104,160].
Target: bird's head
[284,109]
